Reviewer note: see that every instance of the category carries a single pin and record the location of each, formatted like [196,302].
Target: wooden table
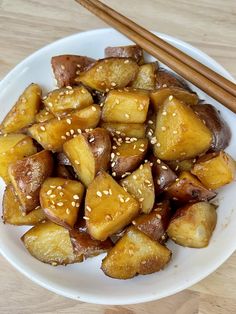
[210,25]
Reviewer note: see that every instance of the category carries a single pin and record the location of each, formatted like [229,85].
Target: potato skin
[125,129]
[188,188]
[165,78]
[67,67]
[163,176]
[135,253]
[193,225]
[133,51]
[84,245]
[27,175]
[12,212]
[219,128]
[156,222]
[50,244]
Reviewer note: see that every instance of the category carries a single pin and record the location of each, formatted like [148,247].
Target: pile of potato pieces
[119,158]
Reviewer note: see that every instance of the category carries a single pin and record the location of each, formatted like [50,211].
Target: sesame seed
[164,167]
[68,211]
[42,128]
[141,199]
[140,107]
[73,204]
[59,118]
[159,182]
[105,192]
[63,137]
[83,91]
[127,115]
[94,108]
[164,113]
[163,128]
[52,196]
[89,209]
[158,144]
[86,218]
[175,132]
[150,122]
[114,174]
[28,197]
[72,132]
[126,61]
[76,197]
[139,191]
[59,187]
[68,87]
[92,139]
[108,217]
[117,101]
[171,97]
[67,133]
[134,222]
[143,262]
[158,216]
[49,192]
[79,131]
[50,104]
[112,156]
[127,199]
[99,193]
[52,186]
[59,204]
[141,149]
[159,161]
[176,168]
[113,84]
[147,181]
[110,191]
[153,140]
[134,177]
[174,114]
[62,67]
[141,167]
[131,252]
[68,121]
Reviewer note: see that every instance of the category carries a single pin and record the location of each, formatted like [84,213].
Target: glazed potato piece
[108,207]
[165,78]
[60,199]
[23,112]
[50,244]
[193,225]
[188,188]
[54,133]
[84,245]
[155,223]
[27,176]
[125,129]
[109,73]
[159,96]
[62,101]
[140,185]
[219,128]
[62,171]
[127,156]
[180,134]
[135,52]
[135,254]
[146,77]
[12,213]
[215,170]
[163,176]
[67,67]
[14,147]
[181,165]
[125,106]
[89,153]
[43,115]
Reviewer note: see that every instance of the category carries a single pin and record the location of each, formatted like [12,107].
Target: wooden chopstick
[204,70]
[177,65]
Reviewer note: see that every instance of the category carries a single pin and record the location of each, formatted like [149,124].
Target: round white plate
[86,281]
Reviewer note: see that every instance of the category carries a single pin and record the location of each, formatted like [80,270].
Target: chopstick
[194,76]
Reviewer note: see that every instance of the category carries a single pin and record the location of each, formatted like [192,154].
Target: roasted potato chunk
[135,52]
[127,106]
[215,170]
[180,134]
[67,67]
[219,128]
[108,207]
[127,156]
[43,116]
[23,112]
[163,176]
[159,96]
[146,77]
[14,147]
[155,223]
[12,213]
[188,189]
[108,73]
[89,153]
[60,199]
[62,101]
[136,130]
[135,254]
[84,245]
[50,244]
[165,78]
[55,132]
[140,185]
[193,225]
[27,176]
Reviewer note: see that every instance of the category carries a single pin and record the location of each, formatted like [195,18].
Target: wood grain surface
[27,25]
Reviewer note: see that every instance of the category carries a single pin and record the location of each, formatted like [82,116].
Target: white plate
[85,281]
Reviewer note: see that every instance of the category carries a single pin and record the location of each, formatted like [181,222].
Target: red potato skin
[167,78]
[219,128]
[163,175]
[135,52]
[62,159]
[155,223]
[67,67]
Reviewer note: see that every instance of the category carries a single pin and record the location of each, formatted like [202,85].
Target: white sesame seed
[110,191]
[94,108]
[159,161]
[117,101]
[171,97]
[59,204]
[163,128]
[42,128]
[28,197]
[164,113]
[127,199]
[134,177]
[89,209]
[112,156]
[92,139]
[62,67]
[164,167]
[49,192]
[159,182]
[68,87]
[99,193]
[158,144]
[139,191]
[174,114]
[126,61]
[113,84]
[153,140]
[63,137]
[175,132]
[141,149]
[77,162]
[59,187]
[150,122]
[108,217]
[127,115]
[72,131]
[79,131]
[73,204]
[67,133]
[68,121]
[105,192]
[76,197]
[140,107]
[86,218]
[114,174]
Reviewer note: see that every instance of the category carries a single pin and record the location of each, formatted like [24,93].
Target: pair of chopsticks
[201,76]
